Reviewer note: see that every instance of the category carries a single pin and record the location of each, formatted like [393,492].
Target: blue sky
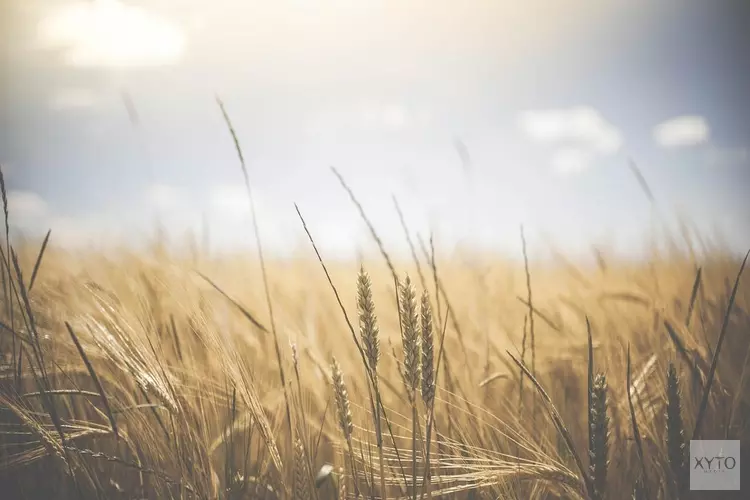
[550,99]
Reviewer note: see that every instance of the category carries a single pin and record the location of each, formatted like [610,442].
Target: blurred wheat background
[154,374]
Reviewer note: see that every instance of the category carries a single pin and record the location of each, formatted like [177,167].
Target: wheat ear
[301,474]
[370,333]
[599,437]
[344,413]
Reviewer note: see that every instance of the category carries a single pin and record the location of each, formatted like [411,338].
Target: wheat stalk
[428,377]
[428,351]
[412,370]
[676,446]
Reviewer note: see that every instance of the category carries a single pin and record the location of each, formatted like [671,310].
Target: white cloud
[72,98]
[582,125]
[571,160]
[112,34]
[26,205]
[581,135]
[164,198]
[681,131]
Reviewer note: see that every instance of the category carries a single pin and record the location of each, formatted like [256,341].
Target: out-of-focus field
[131,376]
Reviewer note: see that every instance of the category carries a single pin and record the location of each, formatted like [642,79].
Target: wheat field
[164,374]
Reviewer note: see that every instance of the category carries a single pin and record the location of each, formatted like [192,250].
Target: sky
[477,116]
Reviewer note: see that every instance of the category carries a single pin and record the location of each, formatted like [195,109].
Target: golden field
[156,375]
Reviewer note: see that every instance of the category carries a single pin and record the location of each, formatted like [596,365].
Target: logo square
[715,465]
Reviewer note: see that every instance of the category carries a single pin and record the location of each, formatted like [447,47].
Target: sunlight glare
[109,33]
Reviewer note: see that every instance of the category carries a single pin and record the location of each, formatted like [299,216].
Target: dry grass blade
[683,352]
[95,379]
[335,291]
[530,301]
[409,241]
[590,376]
[431,410]
[559,424]
[493,377]
[29,317]
[370,227]
[678,343]
[717,351]
[629,297]
[539,314]
[463,154]
[38,261]
[4,194]
[8,278]
[46,438]
[263,269]
[236,304]
[51,409]
[693,296]
[641,181]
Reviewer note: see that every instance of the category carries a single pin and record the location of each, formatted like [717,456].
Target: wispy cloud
[108,33]
[581,134]
[682,131]
[583,125]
